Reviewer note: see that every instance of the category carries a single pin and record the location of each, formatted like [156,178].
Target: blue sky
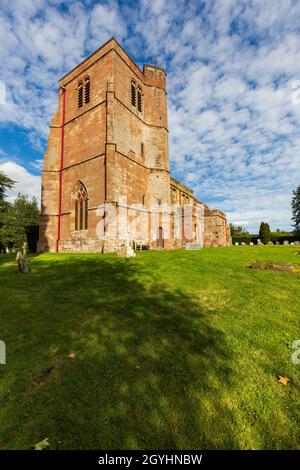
[231,65]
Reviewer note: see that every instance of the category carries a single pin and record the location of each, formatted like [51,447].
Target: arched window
[173,195]
[81,206]
[139,99]
[133,94]
[80,95]
[87,89]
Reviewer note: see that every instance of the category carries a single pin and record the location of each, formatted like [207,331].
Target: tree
[17,220]
[237,230]
[296,209]
[281,233]
[5,183]
[264,232]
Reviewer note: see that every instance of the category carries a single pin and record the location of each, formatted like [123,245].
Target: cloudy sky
[234,107]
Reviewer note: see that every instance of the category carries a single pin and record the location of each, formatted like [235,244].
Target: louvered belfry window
[80,95]
[87,90]
[139,96]
[133,94]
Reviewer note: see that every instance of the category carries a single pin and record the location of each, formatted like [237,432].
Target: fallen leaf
[283,379]
[42,444]
[71,356]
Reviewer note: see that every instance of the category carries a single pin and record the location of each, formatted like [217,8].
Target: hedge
[253,239]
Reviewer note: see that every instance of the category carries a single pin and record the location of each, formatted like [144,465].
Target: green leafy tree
[281,233]
[237,230]
[296,209]
[17,220]
[264,232]
[5,183]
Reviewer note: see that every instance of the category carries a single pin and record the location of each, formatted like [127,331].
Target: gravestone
[193,246]
[286,242]
[126,250]
[22,260]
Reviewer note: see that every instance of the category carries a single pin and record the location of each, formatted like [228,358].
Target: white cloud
[105,21]
[234,130]
[25,182]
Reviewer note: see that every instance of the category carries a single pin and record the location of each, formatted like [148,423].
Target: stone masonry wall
[115,150]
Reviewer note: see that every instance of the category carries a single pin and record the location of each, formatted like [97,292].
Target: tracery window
[81,206]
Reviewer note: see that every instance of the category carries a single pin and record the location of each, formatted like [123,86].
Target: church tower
[108,140]
[108,147]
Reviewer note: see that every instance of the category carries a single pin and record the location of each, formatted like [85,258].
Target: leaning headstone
[236,244]
[286,242]
[251,243]
[243,244]
[22,259]
[292,243]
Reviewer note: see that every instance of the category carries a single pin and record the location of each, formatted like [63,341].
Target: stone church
[108,147]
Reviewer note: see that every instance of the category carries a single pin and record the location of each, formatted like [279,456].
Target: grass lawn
[178,349]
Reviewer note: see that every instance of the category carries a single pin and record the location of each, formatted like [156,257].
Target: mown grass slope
[177,349]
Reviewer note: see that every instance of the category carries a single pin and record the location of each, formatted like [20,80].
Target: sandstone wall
[116,150]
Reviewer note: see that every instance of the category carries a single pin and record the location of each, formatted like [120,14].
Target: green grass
[178,349]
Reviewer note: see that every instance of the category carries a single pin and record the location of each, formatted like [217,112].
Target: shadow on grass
[149,372]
